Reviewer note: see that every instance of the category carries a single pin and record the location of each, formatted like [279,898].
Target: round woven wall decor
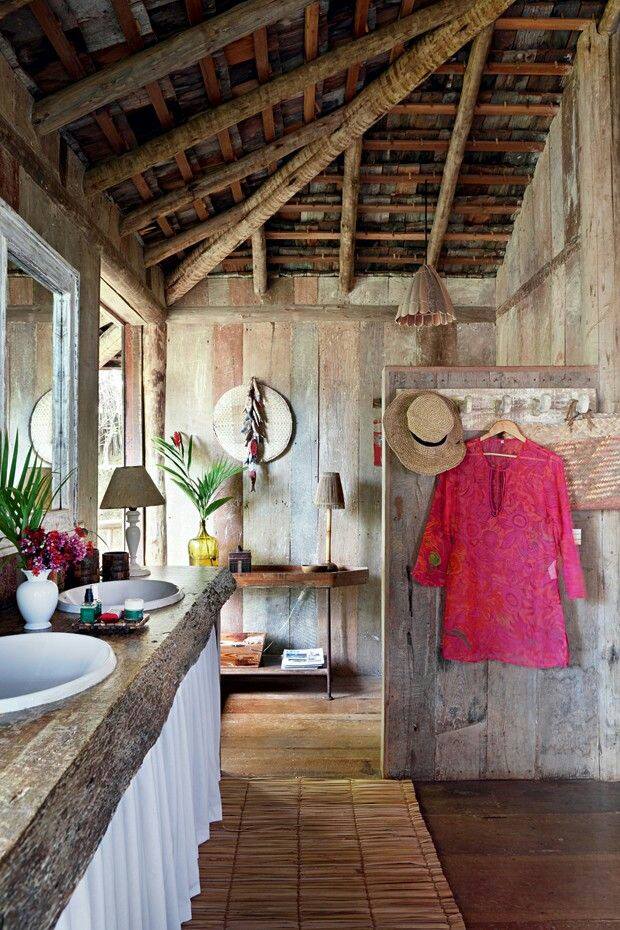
[228,420]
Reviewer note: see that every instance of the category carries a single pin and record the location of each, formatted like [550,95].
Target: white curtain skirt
[145,870]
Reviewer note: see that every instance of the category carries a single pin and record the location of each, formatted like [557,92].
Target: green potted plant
[203,549]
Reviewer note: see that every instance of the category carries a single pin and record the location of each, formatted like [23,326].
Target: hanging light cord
[426,222]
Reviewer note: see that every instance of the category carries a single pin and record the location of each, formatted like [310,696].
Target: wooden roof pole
[284,87]
[458,140]
[348,219]
[352,165]
[610,19]
[370,105]
[259,262]
[138,70]
[10,6]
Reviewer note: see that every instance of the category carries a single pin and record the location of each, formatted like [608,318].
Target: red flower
[177,439]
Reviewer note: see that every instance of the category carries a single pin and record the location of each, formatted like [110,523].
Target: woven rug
[317,854]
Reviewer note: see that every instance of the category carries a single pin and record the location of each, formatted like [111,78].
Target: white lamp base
[132,535]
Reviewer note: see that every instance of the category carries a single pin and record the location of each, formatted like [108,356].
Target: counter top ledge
[63,773]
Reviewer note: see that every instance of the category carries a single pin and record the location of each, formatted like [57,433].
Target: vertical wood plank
[154,340]
[339,398]
[228,520]
[304,455]
[132,377]
[266,519]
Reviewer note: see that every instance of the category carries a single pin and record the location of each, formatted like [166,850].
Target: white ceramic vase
[37,598]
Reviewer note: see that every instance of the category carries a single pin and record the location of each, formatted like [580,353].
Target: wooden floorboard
[523,855]
[298,732]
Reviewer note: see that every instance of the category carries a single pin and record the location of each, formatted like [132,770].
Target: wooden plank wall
[331,373]
[454,720]
[562,267]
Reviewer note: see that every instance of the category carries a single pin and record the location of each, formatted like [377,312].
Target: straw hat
[424,430]
[228,420]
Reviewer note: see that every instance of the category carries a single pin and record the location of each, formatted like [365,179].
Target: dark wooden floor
[525,855]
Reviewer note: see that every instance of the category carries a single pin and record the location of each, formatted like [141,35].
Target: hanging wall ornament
[253,430]
[427,302]
[253,425]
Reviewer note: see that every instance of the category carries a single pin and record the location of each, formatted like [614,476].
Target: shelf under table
[271,666]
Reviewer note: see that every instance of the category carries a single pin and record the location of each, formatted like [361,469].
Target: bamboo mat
[318,854]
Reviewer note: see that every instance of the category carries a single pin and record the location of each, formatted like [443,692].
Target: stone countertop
[63,772]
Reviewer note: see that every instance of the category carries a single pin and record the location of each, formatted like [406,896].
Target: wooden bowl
[309,569]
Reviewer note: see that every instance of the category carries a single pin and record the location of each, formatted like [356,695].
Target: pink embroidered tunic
[496,531]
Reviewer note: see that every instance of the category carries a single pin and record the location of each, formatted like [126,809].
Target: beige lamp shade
[329,491]
[131,486]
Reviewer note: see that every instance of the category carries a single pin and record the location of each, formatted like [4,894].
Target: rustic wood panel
[331,375]
[573,320]
[448,720]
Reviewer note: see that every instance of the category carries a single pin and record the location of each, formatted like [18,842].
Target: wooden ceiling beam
[194,10]
[406,7]
[442,145]
[319,235]
[72,64]
[283,87]
[521,68]
[543,23]
[290,210]
[11,6]
[481,109]
[223,176]
[394,84]
[352,162]
[458,141]
[157,61]
[236,263]
[135,42]
[348,219]
[414,179]
[259,262]
[311,50]
[610,20]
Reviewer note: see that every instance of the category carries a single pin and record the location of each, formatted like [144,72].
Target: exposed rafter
[148,65]
[458,141]
[373,102]
[283,87]
[259,262]
[348,220]
[610,20]
[223,176]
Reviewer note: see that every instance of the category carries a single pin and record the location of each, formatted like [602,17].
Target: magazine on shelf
[302,658]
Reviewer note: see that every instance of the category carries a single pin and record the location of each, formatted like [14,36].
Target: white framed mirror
[39,320]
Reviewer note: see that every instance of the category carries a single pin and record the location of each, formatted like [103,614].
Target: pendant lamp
[427,302]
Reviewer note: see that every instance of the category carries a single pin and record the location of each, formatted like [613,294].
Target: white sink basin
[112,594]
[48,667]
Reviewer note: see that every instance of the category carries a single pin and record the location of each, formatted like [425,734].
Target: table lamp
[132,487]
[329,494]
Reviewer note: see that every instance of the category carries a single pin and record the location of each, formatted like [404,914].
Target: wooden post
[348,218]
[259,262]
[132,378]
[458,139]
[154,388]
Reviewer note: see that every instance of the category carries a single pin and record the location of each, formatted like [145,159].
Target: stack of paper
[302,658]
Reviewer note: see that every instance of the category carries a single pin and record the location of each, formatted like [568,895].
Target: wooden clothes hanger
[509,429]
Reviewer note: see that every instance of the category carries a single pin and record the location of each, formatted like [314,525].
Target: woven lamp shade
[427,302]
[329,491]
[131,486]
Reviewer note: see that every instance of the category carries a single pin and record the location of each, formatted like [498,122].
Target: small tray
[121,626]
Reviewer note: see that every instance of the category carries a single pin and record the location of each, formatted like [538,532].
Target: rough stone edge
[43,869]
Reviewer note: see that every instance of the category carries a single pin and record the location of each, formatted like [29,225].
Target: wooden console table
[291,576]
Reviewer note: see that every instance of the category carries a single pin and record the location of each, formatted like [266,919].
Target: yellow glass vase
[203,548]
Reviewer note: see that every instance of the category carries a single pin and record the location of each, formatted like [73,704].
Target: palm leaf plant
[201,489]
[25,490]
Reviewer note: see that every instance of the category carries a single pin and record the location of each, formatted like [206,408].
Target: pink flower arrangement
[52,550]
